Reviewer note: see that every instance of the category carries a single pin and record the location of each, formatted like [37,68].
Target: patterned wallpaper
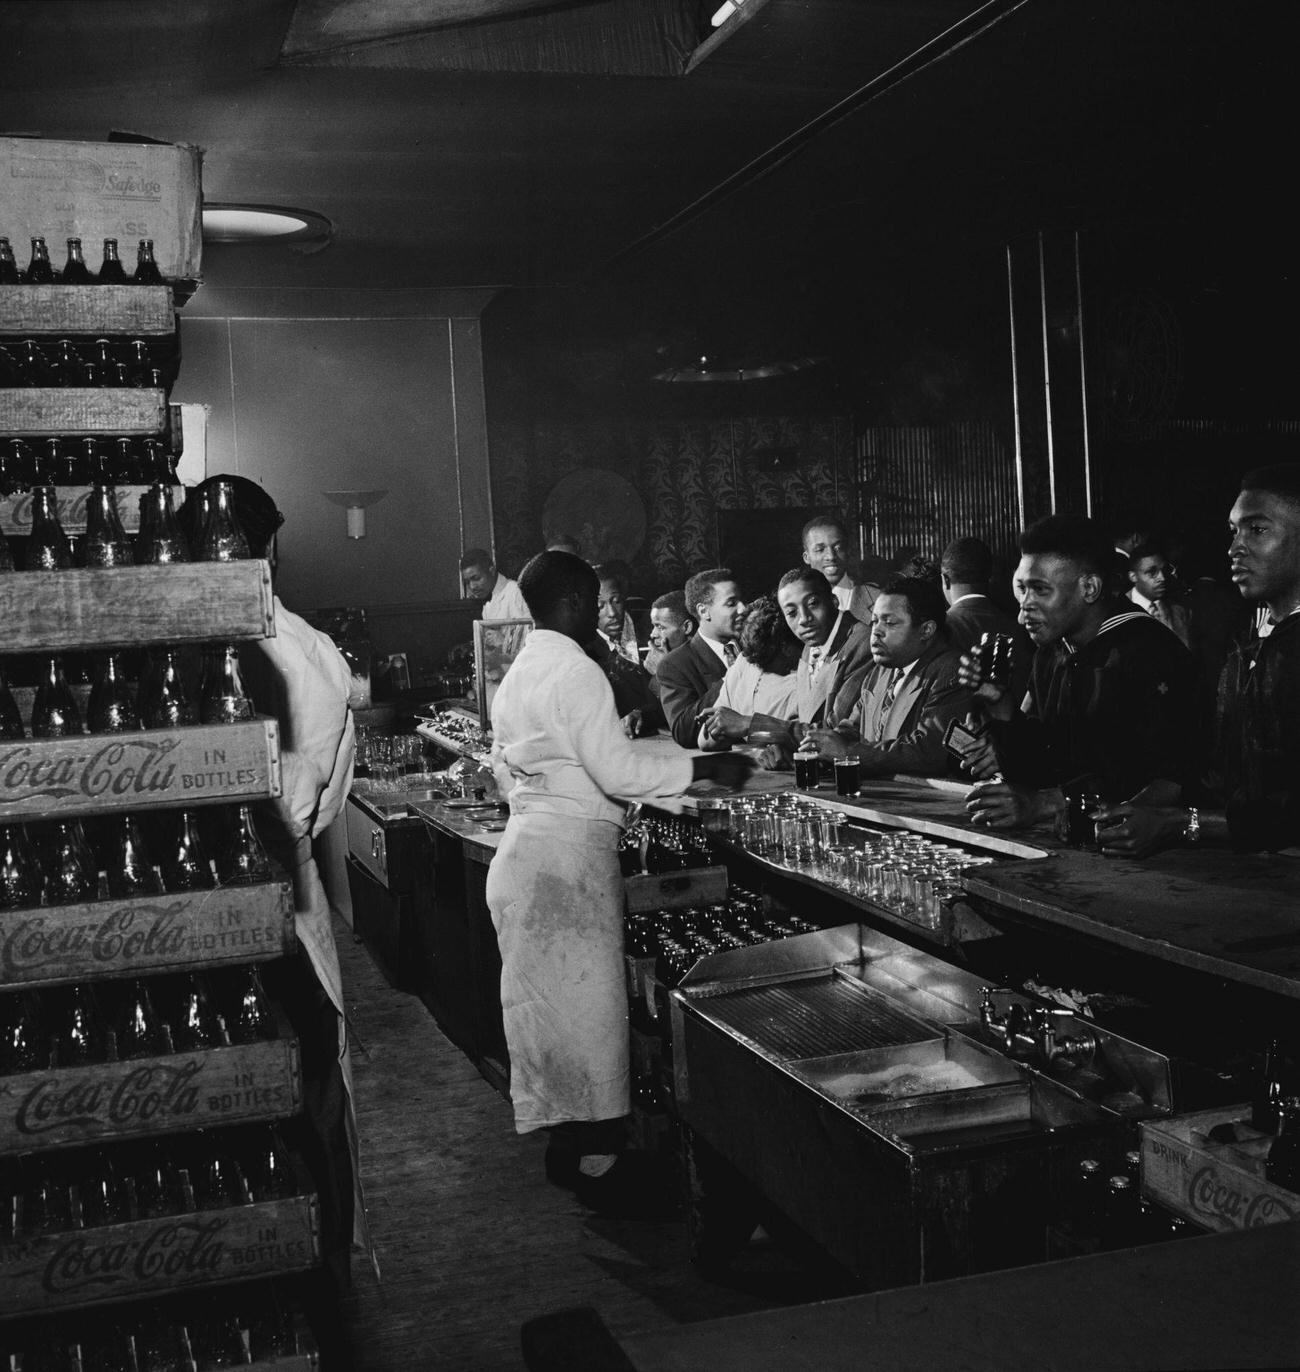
[683,473]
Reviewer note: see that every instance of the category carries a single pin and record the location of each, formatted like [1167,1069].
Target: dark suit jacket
[924,704]
[690,678]
[848,651]
[967,622]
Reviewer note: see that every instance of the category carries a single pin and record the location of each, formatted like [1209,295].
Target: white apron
[556,896]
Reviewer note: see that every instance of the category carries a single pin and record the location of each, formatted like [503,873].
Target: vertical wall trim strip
[1015,390]
[1047,373]
[1083,379]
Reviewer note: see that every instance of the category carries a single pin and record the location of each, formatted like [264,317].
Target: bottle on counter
[105,543]
[55,713]
[75,272]
[40,271]
[111,270]
[48,549]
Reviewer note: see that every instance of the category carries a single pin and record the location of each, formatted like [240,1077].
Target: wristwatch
[1192,829]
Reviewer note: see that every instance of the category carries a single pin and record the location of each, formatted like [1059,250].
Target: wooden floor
[471,1238]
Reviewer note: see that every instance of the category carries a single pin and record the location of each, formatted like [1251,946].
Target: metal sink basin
[886,1076]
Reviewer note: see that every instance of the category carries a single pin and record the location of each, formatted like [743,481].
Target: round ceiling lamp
[264,224]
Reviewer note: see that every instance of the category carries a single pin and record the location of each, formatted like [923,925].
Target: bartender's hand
[1126,830]
[996,700]
[999,805]
[731,770]
[828,742]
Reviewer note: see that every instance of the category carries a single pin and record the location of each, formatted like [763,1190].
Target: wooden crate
[118,1262]
[672,890]
[64,1107]
[1219,1186]
[56,944]
[74,412]
[96,607]
[92,774]
[16,510]
[43,312]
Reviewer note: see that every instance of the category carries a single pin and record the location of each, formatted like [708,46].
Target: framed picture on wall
[496,645]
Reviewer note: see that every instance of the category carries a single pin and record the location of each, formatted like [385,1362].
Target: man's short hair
[1075,537]
[823,521]
[550,578]
[1282,479]
[1150,547]
[674,602]
[924,599]
[476,557]
[812,577]
[700,589]
[609,571]
[968,562]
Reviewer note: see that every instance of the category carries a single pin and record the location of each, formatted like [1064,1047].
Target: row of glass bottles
[117,1021]
[53,1193]
[40,270]
[55,863]
[123,460]
[202,1330]
[117,706]
[100,363]
[106,545]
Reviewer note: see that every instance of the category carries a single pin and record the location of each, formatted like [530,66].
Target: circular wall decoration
[601,509]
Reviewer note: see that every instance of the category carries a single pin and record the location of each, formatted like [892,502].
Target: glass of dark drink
[996,658]
[806,771]
[848,776]
[1080,826]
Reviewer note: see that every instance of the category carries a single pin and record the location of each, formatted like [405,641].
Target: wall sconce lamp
[355,503]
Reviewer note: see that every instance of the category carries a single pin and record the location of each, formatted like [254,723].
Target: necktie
[886,705]
[729,653]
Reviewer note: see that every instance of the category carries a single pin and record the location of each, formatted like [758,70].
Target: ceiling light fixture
[264,224]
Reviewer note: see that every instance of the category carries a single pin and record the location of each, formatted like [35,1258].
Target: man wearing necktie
[690,677]
[903,703]
[1150,577]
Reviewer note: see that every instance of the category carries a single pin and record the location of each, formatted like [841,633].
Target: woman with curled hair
[760,682]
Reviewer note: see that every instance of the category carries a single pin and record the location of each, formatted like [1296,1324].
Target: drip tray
[814,1018]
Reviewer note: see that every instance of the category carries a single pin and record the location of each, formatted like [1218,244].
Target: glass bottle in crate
[24,1039]
[130,870]
[20,877]
[222,539]
[9,273]
[11,720]
[112,707]
[70,871]
[241,858]
[185,865]
[105,543]
[146,266]
[80,1034]
[40,271]
[111,270]
[251,1020]
[160,540]
[223,697]
[141,1031]
[55,713]
[75,272]
[197,1025]
[164,701]
[48,549]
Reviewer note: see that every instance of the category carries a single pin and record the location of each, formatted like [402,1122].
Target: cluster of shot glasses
[908,874]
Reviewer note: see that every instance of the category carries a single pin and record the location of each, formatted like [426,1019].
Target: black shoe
[561,1165]
[635,1188]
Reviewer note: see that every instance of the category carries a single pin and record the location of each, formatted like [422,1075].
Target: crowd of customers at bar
[1163,696]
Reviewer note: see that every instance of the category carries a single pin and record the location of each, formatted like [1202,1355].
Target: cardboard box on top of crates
[59,190]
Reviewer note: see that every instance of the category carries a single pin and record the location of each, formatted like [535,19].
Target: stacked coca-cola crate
[153,1212]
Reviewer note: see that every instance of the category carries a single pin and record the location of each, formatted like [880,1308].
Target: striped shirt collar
[1106,624]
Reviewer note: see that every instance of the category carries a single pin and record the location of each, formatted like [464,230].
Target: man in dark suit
[911,693]
[965,572]
[826,550]
[691,676]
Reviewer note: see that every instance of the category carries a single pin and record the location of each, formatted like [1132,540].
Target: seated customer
[1256,775]
[614,624]
[1111,701]
[761,681]
[691,676]
[965,573]
[671,625]
[911,694]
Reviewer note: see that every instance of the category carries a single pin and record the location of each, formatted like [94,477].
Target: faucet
[1013,1030]
[1069,1052]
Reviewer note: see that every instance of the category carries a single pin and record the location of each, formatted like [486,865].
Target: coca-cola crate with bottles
[71,503]
[130,1220]
[150,1056]
[183,602]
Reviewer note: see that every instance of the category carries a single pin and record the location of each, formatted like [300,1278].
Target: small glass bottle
[70,875]
[251,1020]
[222,540]
[11,721]
[112,707]
[160,540]
[40,272]
[20,876]
[146,267]
[241,858]
[105,544]
[1282,1166]
[80,1038]
[164,701]
[9,273]
[47,544]
[198,1025]
[55,713]
[111,270]
[186,865]
[24,1041]
[75,272]
[141,1032]
[130,870]
[224,700]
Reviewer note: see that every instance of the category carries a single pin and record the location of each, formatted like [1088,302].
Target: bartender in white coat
[555,889]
